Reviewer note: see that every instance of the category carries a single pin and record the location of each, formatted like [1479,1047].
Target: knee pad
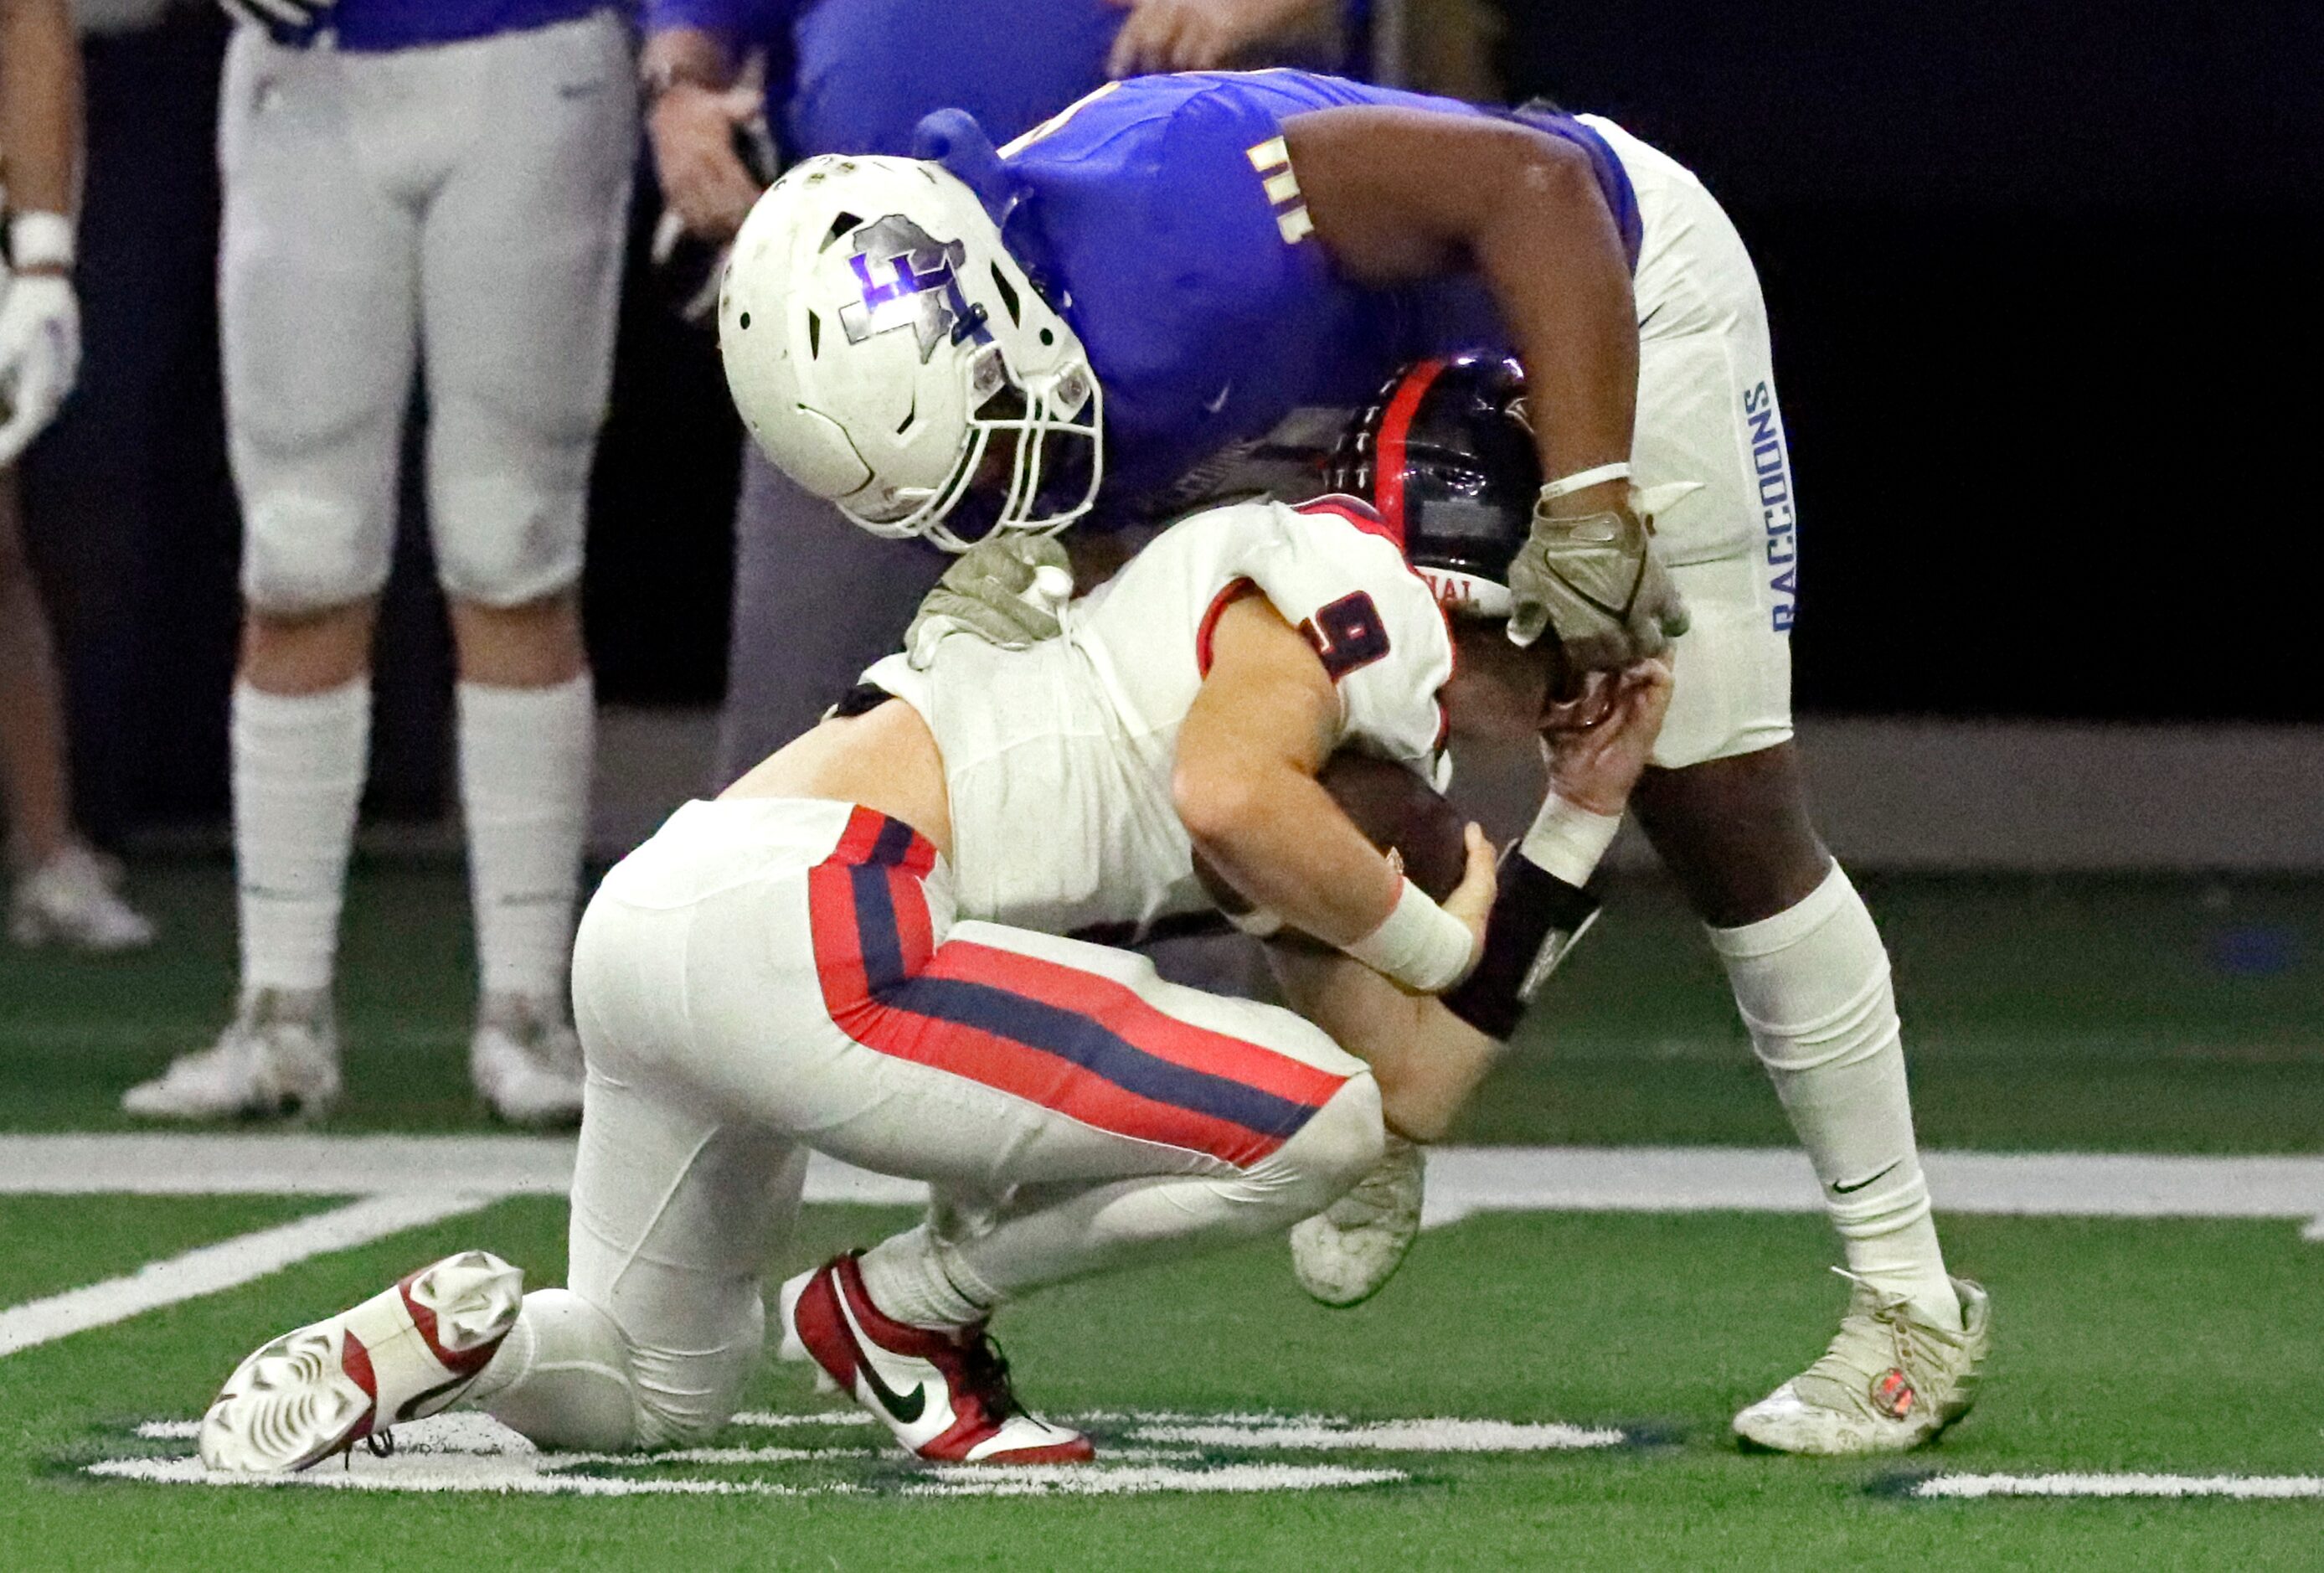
[503,540]
[303,553]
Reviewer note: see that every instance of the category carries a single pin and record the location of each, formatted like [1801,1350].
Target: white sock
[525,758]
[298,763]
[907,1278]
[1813,986]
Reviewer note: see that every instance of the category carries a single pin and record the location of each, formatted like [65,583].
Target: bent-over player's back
[1057,759]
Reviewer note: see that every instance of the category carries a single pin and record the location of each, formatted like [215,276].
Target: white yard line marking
[1138,1479]
[1462,1181]
[504,1476]
[469,1452]
[1465,1180]
[2245,1487]
[1417,1436]
[208,1269]
[414,1180]
[171,1164]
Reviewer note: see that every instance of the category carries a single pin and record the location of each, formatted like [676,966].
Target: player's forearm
[1400,195]
[1552,258]
[40,105]
[1427,1060]
[1280,840]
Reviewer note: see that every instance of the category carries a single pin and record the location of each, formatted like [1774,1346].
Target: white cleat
[1344,1254]
[279,1056]
[1889,1382]
[74,900]
[406,1353]
[526,1060]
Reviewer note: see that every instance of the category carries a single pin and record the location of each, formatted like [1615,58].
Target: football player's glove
[1006,590]
[40,356]
[880,342]
[1598,581]
[286,22]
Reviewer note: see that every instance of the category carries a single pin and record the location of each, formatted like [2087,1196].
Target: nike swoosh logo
[410,1406]
[1840,1190]
[1220,403]
[905,1410]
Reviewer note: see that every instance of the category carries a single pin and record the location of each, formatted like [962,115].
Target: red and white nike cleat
[405,1353]
[946,1395]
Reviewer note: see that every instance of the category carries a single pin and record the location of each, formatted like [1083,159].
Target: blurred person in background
[64,892]
[857,76]
[444,185]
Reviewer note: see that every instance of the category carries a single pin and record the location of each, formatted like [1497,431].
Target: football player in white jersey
[436,190]
[859,949]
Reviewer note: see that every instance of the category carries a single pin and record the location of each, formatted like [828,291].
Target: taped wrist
[1539,913]
[1419,944]
[1567,839]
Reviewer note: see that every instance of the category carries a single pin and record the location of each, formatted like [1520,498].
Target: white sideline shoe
[526,1060]
[1888,1383]
[1344,1254]
[279,1055]
[402,1355]
[74,898]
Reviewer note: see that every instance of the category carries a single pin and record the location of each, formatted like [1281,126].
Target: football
[1394,809]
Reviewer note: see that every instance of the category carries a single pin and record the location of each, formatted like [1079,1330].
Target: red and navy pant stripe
[1082,1044]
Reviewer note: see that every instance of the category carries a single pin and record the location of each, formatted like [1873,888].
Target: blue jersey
[869,70]
[373,27]
[1162,216]
[856,76]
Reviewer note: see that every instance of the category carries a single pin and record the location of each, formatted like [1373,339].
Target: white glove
[40,356]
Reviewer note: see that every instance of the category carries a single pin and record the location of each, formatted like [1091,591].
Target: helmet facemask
[1057,460]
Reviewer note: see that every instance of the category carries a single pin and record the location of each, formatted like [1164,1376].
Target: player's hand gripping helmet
[1445,454]
[877,334]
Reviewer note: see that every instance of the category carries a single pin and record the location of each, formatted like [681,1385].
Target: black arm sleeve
[1535,916]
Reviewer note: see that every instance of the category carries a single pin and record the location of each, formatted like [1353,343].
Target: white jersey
[1058,757]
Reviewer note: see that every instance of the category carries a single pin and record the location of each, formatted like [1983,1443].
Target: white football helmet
[877,333]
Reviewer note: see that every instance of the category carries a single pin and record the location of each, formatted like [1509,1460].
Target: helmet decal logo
[908,279]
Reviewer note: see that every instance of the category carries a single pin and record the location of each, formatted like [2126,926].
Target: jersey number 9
[1347,634]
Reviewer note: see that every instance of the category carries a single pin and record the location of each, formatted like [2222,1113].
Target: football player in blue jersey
[857,76]
[980,346]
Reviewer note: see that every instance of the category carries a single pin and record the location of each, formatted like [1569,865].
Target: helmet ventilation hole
[744,321]
[814,334]
[841,228]
[1007,296]
[1047,336]
[906,423]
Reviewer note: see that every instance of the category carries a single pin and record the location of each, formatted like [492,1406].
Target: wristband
[1419,944]
[1582,480]
[40,240]
[1567,839]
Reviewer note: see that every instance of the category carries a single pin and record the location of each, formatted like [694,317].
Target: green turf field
[2124,1016]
